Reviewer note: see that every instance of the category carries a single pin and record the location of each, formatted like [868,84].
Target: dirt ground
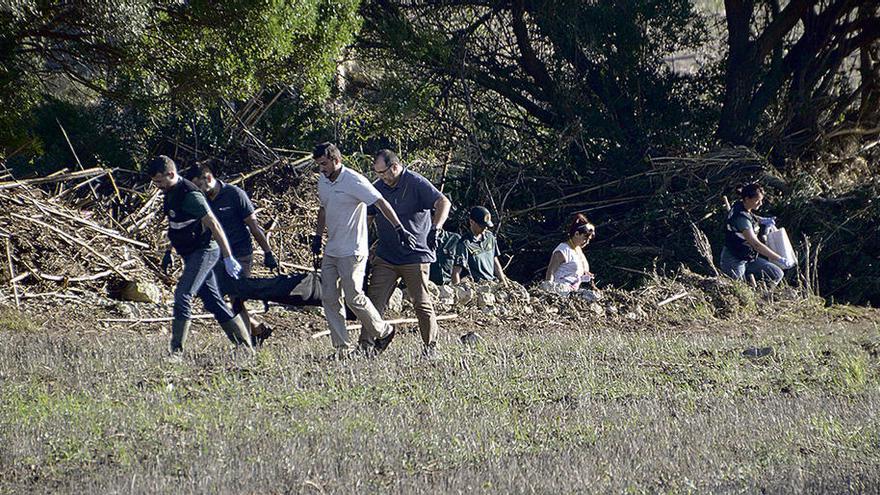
[545,403]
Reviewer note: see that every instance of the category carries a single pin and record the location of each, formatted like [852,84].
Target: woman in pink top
[568,267]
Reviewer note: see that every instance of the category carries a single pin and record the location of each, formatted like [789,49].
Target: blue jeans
[737,269]
[198,279]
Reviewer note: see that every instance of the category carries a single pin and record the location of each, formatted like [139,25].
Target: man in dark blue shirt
[197,236]
[236,215]
[413,198]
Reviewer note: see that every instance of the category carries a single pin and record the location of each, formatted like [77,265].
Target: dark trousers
[198,279]
[762,269]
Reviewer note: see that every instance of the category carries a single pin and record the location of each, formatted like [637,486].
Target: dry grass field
[532,409]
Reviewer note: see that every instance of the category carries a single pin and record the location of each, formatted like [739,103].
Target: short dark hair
[387,156]
[750,190]
[199,169]
[326,150]
[160,165]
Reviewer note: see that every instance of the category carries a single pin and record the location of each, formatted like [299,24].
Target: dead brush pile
[51,247]
[665,300]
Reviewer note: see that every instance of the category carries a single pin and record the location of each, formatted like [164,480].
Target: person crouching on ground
[739,257]
[235,212]
[413,198]
[478,250]
[195,234]
[345,195]
[569,268]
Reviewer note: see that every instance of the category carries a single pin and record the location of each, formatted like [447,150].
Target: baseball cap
[482,216]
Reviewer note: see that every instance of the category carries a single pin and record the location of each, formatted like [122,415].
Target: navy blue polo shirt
[412,199]
[231,207]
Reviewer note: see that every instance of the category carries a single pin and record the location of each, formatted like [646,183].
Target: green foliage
[163,58]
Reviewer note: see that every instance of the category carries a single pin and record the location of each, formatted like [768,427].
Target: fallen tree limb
[671,299]
[163,319]
[12,273]
[323,333]
[76,240]
[51,179]
[91,225]
[83,278]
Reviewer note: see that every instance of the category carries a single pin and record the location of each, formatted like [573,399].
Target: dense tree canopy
[163,56]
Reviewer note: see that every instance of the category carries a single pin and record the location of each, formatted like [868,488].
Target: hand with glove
[785,263]
[406,239]
[167,262]
[232,266]
[433,236]
[767,221]
[316,244]
[269,260]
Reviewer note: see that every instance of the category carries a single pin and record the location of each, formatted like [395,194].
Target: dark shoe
[430,352]
[260,333]
[382,343]
[366,350]
[341,354]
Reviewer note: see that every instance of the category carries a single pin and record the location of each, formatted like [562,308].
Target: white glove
[232,266]
[786,263]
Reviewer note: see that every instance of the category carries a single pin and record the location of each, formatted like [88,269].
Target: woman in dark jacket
[741,244]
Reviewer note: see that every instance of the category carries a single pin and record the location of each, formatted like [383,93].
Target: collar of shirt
[382,186]
[342,171]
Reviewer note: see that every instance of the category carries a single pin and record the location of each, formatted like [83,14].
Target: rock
[590,295]
[471,338]
[139,291]
[757,352]
[124,310]
[463,295]
[433,289]
[485,300]
[446,295]
[395,304]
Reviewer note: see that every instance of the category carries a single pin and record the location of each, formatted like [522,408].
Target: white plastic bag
[310,287]
[777,240]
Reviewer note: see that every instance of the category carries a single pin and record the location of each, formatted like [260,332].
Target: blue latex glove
[768,221]
[786,263]
[232,266]
[405,237]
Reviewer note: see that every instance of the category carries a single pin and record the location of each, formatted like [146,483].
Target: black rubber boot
[237,332]
[179,333]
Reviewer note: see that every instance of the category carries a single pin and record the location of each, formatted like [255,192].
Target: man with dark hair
[233,208]
[478,250]
[413,198]
[195,234]
[345,195]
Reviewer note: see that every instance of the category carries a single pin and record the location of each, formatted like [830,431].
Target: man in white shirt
[345,195]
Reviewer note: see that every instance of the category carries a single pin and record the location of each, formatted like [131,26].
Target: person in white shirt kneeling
[569,270]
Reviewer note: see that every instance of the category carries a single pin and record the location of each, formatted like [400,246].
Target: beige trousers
[383,281]
[344,276]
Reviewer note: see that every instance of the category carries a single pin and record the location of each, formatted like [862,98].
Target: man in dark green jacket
[197,236]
